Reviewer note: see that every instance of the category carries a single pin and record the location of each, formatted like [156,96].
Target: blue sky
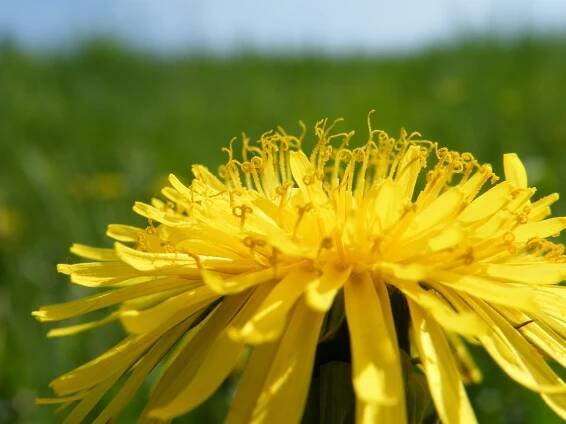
[225,26]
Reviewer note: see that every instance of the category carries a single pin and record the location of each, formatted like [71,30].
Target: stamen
[309,179]
[547,249]
[247,169]
[557,251]
[257,165]
[195,257]
[168,247]
[509,237]
[342,153]
[522,218]
[458,166]
[241,212]
[170,206]
[361,155]
[245,146]
[282,191]
[141,242]
[371,131]
[230,150]
[283,158]
[253,243]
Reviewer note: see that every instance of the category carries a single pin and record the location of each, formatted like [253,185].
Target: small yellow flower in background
[99,186]
[258,257]
[11,223]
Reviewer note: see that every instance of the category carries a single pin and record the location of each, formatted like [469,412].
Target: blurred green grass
[73,125]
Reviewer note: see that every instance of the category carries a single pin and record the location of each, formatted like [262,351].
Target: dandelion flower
[250,265]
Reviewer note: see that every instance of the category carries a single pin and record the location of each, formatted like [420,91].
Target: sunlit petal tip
[38,315]
[64,269]
[515,171]
[319,302]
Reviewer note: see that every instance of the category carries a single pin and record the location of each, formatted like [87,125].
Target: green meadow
[85,134]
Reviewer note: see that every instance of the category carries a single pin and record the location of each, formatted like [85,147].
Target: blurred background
[100,100]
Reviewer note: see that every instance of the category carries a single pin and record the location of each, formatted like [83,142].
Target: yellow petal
[396,413]
[125,233]
[79,328]
[139,374]
[285,390]
[538,332]
[301,168]
[447,238]
[373,351]
[388,204]
[94,274]
[269,321]
[541,208]
[548,341]
[542,229]
[517,357]
[85,305]
[436,213]
[366,412]
[180,187]
[550,300]
[294,248]
[557,403]
[221,358]
[151,319]
[304,175]
[409,169]
[146,261]
[63,399]
[159,212]
[536,273]
[89,401]
[321,292]
[181,202]
[471,187]
[208,338]
[487,204]
[404,272]
[466,323]
[205,248]
[230,284]
[445,384]
[469,371]
[515,171]
[146,302]
[488,289]
[202,173]
[250,384]
[269,179]
[114,361]
[94,253]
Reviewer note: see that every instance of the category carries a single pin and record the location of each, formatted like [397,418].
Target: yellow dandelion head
[269,252]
